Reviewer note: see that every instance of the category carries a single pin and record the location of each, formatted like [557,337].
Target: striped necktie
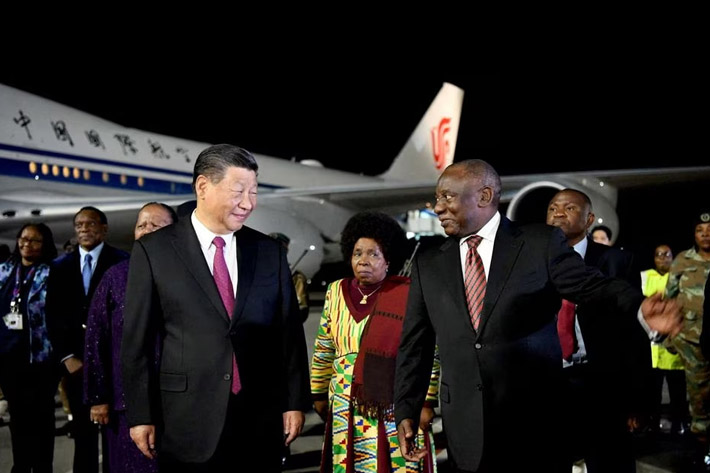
[475,281]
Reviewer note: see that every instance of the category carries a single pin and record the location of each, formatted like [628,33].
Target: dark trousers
[676,391]
[596,416]
[84,432]
[247,444]
[29,389]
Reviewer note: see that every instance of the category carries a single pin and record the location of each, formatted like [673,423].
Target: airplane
[55,159]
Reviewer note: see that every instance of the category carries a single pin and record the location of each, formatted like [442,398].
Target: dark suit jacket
[500,384]
[67,305]
[172,293]
[624,350]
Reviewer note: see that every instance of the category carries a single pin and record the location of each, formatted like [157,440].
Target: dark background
[355,118]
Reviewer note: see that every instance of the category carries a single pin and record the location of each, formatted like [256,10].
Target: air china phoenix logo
[440,143]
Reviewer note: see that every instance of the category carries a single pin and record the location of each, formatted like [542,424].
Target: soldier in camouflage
[688,275]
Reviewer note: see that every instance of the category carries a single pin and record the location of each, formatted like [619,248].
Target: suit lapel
[452,279]
[505,252]
[247,253]
[593,255]
[75,272]
[188,249]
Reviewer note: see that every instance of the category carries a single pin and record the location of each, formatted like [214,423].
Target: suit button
[478,346]
[479,387]
[227,377]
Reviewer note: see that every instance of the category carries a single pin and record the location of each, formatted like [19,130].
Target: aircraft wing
[393,196]
[385,196]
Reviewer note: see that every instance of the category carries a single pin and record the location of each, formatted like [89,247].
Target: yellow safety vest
[652,282]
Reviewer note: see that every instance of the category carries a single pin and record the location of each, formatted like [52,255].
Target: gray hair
[481,170]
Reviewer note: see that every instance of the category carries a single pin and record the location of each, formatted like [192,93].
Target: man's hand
[73,364]
[661,315]
[426,418]
[407,434]
[99,414]
[293,425]
[144,438]
[321,408]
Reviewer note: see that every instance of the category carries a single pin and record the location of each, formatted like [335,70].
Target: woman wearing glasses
[28,375]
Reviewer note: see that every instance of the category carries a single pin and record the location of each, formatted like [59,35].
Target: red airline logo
[439,143]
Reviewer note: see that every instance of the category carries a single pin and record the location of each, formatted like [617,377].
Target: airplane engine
[529,204]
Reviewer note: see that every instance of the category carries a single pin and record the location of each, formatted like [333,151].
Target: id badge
[13,320]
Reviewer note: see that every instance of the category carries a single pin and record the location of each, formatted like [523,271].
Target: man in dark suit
[72,281]
[607,372]
[233,378]
[496,331]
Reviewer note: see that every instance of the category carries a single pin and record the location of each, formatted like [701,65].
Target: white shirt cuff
[653,335]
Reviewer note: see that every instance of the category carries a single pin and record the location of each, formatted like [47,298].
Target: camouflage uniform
[688,274]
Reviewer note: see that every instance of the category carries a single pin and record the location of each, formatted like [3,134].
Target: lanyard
[18,286]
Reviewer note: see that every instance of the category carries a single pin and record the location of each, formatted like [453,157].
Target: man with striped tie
[489,297]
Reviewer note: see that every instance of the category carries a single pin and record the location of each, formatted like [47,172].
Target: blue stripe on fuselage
[21,169]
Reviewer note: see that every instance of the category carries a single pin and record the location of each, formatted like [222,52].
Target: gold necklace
[365,296]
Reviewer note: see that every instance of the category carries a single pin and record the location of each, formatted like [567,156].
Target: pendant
[363,300]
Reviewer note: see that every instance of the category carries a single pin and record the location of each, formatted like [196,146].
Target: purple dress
[102,370]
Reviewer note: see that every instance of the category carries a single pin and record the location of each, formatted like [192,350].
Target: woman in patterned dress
[28,369]
[353,365]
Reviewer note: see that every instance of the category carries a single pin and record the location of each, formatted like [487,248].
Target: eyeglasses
[28,241]
[663,253]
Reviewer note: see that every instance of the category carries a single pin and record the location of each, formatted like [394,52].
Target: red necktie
[226,292]
[565,329]
[475,281]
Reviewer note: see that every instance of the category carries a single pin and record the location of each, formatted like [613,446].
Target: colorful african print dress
[357,443]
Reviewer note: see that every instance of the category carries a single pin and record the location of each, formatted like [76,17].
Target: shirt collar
[94,253]
[581,247]
[205,235]
[488,231]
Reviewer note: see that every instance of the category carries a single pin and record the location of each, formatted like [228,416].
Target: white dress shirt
[94,257]
[485,248]
[82,261]
[580,356]
[205,236]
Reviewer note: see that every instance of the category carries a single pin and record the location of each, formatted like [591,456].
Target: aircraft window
[33,167]
[104,176]
[55,170]
[45,168]
[87,175]
[124,179]
[140,181]
[65,172]
[75,173]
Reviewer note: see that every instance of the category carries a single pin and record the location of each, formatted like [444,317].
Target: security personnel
[686,282]
[666,364]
